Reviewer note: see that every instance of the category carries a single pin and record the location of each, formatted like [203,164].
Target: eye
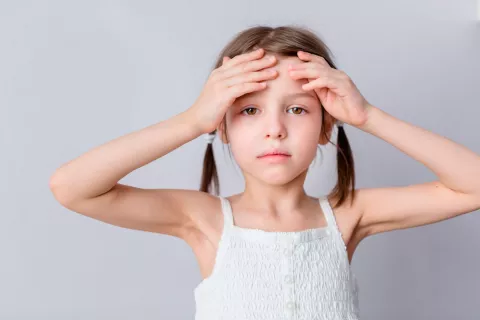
[297,108]
[250,108]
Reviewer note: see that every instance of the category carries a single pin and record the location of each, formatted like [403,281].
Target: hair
[285,41]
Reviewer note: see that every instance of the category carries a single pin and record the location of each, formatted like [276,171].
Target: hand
[236,77]
[336,91]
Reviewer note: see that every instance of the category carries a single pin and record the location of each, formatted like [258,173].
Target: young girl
[272,251]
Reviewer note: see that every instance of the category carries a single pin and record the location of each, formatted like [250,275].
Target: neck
[275,199]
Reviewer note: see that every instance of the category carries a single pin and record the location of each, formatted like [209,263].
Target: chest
[303,275]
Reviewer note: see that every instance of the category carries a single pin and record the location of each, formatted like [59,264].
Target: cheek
[243,144]
[241,130]
[241,140]
[307,139]
[308,130]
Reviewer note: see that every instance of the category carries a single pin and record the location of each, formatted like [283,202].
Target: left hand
[336,91]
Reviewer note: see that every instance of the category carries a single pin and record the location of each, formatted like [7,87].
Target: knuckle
[246,86]
[346,78]
[213,77]
[249,77]
[324,62]
[258,75]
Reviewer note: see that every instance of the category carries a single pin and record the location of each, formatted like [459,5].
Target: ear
[221,132]
[329,124]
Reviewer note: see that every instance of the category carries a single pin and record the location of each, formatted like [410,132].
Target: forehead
[283,84]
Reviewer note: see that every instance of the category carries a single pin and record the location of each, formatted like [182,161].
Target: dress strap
[227,212]
[330,216]
[328,212]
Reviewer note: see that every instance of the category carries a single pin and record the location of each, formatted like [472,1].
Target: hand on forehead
[283,82]
[283,63]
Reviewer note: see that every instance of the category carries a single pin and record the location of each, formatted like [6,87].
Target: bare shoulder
[207,227]
[205,213]
[347,216]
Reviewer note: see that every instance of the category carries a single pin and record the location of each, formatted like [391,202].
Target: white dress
[301,275]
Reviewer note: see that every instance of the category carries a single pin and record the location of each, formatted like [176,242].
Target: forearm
[456,166]
[98,170]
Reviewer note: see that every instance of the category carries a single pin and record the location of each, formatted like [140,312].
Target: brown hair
[286,41]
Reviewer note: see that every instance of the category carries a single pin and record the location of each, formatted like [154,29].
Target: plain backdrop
[76,74]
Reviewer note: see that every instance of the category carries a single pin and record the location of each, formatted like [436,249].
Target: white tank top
[301,275]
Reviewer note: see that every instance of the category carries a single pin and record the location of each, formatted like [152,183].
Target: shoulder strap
[330,216]
[227,212]
[328,212]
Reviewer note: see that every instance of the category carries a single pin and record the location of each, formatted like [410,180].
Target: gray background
[75,74]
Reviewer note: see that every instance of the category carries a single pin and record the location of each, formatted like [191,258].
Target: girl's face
[282,116]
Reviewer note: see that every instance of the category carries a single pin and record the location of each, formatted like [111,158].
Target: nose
[275,127]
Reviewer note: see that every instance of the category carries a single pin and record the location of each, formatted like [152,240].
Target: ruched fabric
[301,275]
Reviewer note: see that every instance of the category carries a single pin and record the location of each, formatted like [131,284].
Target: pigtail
[286,41]
[209,179]
[345,169]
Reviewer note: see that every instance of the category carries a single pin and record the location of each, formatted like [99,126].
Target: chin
[277,178]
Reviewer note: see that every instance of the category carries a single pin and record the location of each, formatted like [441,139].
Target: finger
[225,59]
[309,72]
[317,63]
[244,88]
[252,55]
[307,56]
[249,66]
[303,65]
[252,77]
[316,71]
[332,83]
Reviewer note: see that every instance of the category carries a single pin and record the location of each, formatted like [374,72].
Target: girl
[272,251]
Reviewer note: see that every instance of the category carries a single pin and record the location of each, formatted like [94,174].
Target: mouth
[275,155]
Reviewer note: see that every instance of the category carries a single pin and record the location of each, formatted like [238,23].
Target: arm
[457,190]
[88,184]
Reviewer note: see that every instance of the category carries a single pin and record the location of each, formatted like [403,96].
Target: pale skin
[274,198]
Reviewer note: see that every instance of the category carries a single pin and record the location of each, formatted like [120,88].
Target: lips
[274,153]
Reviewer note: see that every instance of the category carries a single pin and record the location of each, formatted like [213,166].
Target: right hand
[236,77]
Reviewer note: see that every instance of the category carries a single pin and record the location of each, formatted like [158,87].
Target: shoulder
[349,209]
[347,216]
[205,213]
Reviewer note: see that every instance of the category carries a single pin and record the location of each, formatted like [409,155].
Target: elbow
[58,189]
